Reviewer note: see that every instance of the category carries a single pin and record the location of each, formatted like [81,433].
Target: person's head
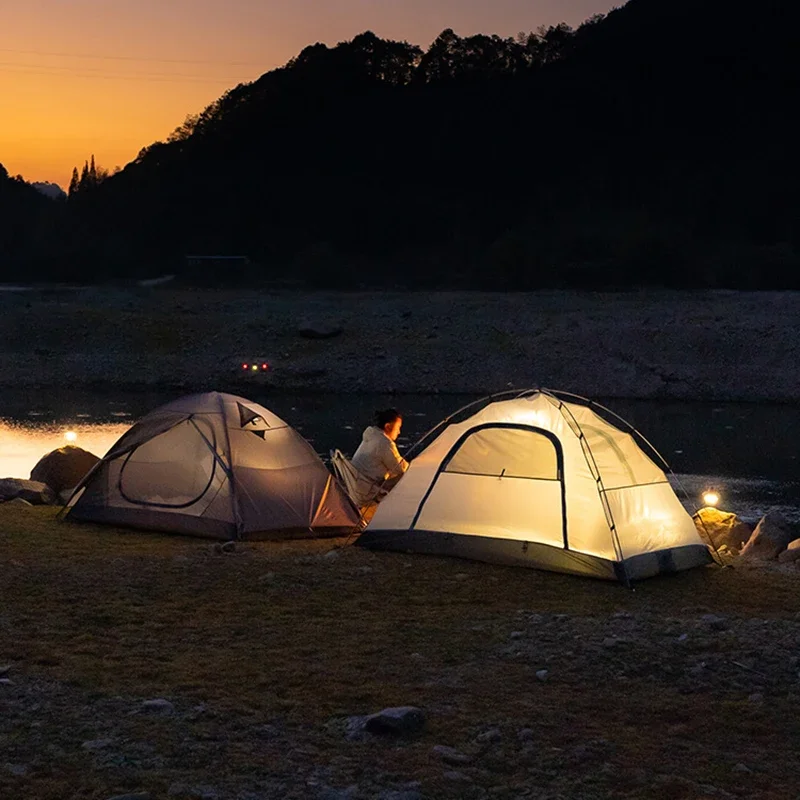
[390,422]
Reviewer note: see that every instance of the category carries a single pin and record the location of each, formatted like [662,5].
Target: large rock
[722,528]
[770,538]
[39,494]
[64,468]
[400,720]
[316,329]
[791,553]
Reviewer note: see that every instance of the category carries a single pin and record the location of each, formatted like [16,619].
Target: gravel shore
[687,345]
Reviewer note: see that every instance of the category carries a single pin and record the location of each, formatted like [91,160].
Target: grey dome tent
[218,466]
[537,480]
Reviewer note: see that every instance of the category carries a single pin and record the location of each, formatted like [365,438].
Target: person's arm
[394,463]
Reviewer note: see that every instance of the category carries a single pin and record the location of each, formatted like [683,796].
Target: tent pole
[237,517]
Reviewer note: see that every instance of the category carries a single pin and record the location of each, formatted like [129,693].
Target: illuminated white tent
[215,465]
[538,481]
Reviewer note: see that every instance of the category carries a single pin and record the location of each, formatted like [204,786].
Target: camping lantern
[711,498]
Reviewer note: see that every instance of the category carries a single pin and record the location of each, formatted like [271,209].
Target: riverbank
[149,664]
[666,345]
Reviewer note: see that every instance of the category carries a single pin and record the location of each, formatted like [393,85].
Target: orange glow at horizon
[109,77]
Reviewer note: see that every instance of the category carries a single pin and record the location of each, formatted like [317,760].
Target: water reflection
[748,451]
[22,443]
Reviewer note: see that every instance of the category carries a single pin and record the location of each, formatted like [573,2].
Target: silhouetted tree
[654,145]
[74,183]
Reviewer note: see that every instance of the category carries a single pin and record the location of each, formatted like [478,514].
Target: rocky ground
[149,666]
[688,345]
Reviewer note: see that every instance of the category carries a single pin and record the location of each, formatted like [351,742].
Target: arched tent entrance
[541,481]
[215,465]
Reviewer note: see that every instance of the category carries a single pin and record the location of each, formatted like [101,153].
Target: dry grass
[95,620]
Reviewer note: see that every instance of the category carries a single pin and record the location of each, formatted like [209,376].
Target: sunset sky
[111,76]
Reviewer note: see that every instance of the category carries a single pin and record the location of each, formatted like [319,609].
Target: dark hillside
[653,146]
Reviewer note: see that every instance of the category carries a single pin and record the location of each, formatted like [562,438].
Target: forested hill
[654,146]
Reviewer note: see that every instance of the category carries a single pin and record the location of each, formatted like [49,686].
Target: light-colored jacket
[377,456]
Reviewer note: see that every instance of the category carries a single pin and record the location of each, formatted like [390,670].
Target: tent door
[503,481]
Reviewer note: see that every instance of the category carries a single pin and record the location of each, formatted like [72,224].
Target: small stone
[268,577]
[683,637]
[6,682]
[756,697]
[96,744]
[267,732]
[526,734]
[610,641]
[331,555]
[229,547]
[493,735]
[4,670]
[742,768]
[399,720]
[516,635]
[158,706]
[450,755]
[17,769]
[461,576]
[714,622]
[542,674]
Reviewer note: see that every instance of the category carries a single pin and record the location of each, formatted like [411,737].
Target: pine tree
[73,183]
[92,174]
[83,184]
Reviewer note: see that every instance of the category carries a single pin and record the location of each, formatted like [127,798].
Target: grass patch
[100,619]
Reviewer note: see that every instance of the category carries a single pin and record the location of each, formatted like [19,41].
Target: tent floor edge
[154,521]
[518,553]
[665,562]
[506,552]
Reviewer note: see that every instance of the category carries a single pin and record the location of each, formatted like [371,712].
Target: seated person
[377,457]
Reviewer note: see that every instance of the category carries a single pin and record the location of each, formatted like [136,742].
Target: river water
[749,452]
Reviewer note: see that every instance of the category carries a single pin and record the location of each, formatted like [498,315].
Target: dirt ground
[543,685]
[655,344]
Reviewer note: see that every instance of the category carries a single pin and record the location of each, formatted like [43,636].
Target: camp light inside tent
[215,465]
[537,481]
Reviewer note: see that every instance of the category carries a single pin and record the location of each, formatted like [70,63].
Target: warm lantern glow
[711,498]
[70,436]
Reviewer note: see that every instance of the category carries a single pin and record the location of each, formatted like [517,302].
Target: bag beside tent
[215,465]
[538,481]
